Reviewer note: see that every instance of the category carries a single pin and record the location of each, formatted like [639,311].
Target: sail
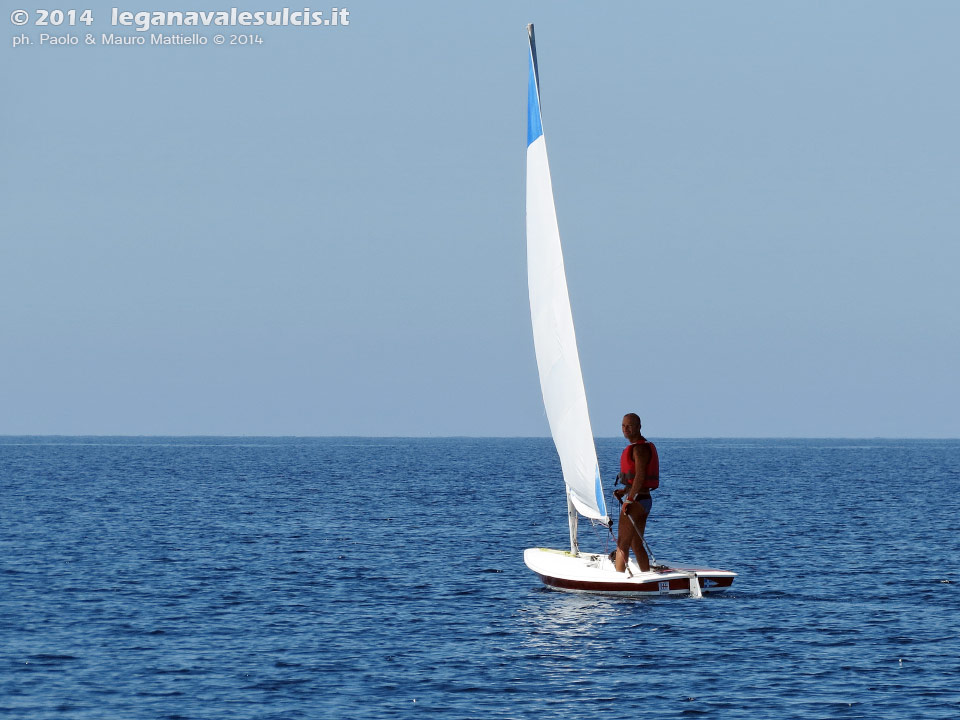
[556,345]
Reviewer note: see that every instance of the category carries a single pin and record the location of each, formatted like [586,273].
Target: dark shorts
[644,501]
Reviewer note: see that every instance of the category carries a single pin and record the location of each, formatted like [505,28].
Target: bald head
[631,426]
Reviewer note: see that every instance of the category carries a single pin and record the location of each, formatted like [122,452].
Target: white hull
[592,573]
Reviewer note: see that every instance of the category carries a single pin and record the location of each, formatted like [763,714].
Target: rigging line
[593,526]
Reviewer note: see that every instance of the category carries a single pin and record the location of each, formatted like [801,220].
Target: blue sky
[323,234]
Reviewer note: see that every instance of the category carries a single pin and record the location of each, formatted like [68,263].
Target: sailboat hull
[591,573]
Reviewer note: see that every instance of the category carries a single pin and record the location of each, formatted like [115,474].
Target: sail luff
[558,361]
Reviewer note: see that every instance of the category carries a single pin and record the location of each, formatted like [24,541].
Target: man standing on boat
[640,473]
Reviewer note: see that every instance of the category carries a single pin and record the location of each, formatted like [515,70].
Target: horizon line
[478,437]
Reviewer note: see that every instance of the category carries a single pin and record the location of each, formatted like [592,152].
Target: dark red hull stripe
[651,587]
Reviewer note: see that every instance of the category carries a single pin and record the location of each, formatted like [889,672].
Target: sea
[284,578]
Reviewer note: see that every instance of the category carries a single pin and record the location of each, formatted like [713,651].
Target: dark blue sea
[195,578]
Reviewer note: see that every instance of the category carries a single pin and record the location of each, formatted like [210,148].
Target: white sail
[558,361]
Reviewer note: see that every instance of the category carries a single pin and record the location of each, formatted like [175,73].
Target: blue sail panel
[534,123]
[598,491]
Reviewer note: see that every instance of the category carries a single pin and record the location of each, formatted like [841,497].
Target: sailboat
[565,401]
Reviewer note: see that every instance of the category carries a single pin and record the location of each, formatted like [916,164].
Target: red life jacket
[628,468]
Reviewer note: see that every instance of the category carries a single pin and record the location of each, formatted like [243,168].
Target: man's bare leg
[625,535]
[643,560]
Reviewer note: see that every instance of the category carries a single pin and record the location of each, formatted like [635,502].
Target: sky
[323,233]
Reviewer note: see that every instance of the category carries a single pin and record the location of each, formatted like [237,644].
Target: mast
[572,520]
